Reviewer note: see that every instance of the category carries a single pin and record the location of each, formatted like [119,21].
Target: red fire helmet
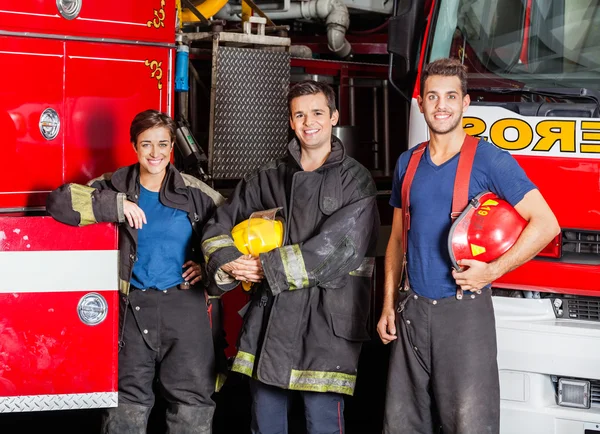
[485,230]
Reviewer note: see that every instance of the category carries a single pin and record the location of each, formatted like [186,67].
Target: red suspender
[460,196]
[406,184]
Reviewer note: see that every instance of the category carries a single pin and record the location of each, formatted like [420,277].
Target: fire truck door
[31,108]
[105,86]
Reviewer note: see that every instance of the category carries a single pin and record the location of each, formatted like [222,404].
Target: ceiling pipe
[333,12]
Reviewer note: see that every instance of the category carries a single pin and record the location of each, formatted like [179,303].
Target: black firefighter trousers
[443,368]
[166,336]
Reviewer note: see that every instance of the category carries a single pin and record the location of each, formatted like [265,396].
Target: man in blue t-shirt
[443,369]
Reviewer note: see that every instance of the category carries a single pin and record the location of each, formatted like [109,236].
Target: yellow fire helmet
[261,233]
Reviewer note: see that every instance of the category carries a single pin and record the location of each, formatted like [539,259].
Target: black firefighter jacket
[307,320]
[102,201]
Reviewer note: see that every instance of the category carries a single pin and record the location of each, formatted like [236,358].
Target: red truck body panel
[45,347]
[93,74]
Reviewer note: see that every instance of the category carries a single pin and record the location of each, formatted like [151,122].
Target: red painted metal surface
[430,6]
[96,89]
[44,346]
[571,188]
[46,234]
[552,276]
[561,181]
[106,86]
[149,20]
[46,349]
[31,163]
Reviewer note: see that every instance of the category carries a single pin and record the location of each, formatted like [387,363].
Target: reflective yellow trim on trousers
[322,381]
[243,363]
[213,244]
[293,264]
[81,201]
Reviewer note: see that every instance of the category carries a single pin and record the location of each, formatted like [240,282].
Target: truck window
[537,43]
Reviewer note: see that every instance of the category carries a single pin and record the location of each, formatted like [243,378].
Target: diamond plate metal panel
[15,404]
[250,110]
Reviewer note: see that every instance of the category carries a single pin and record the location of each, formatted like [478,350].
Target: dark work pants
[167,335]
[443,368]
[324,412]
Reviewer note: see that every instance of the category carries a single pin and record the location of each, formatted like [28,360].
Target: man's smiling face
[311,120]
[443,103]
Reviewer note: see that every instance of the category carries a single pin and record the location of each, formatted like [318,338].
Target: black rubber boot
[189,419]
[125,419]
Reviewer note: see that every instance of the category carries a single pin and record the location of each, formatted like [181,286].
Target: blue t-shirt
[163,244]
[429,264]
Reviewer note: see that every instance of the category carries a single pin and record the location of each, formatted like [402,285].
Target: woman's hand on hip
[193,273]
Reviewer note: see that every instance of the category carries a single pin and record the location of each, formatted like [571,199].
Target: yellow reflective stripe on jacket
[365,269]
[321,381]
[81,201]
[213,244]
[293,264]
[243,363]
[124,286]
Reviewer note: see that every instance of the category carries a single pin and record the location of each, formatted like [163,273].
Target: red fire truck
[534,84]
[73,76]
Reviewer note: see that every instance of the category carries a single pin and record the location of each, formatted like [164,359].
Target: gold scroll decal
[156,69]
[159,17]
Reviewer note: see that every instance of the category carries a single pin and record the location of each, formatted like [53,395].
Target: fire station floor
[363,411]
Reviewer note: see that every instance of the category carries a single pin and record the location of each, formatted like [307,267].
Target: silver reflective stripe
[216,197]
[57,402]
[293,264]
[365,269]
[321,381]
[213,244]
[243,363]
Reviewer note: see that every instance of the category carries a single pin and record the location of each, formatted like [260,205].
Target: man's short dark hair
[311,87]
[448,68]
[151,119]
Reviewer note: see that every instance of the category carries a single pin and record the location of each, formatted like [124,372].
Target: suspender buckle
[455,215]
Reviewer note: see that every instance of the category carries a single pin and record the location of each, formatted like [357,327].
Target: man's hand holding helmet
[487,228]
[245,269]
[475,274]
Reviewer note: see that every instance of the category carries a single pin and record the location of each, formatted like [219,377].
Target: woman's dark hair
[151,119]
[311,87]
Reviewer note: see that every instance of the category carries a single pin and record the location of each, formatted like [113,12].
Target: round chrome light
[69,9]
[92,309]
[49,124]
